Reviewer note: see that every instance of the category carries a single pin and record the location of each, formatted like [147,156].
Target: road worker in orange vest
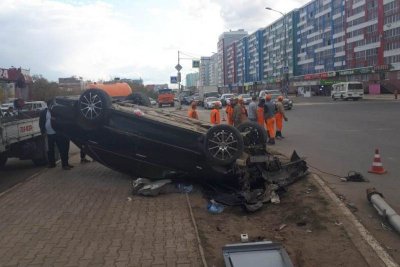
[215,117]
[229,111]
[260,113]
[269,117]
[192,112]
[279,117]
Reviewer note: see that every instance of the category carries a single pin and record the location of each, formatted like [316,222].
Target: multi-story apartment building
[204,71]
[241,60]
[326,41]
[192,79]
[226,39]
[277,52]
[231,73]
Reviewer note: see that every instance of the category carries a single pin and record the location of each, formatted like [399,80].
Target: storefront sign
[382,68]
[355,71]
[4,74]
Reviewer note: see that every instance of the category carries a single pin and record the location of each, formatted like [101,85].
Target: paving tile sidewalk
[83,217]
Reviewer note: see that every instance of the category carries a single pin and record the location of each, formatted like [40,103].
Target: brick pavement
[83,217]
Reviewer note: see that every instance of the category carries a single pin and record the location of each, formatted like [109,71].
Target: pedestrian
[229,111]
[192,112]
[244,110]
[239,112]
[395,94]
[215,117]
[269,117]
[54,139]
[279,117]
[260,112]
[253,109]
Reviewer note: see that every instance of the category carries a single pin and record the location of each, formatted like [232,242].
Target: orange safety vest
[260,116]
[193,114]
[229,113]
[215,116]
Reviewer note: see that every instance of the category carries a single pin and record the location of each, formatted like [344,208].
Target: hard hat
[268,97]
[280,98]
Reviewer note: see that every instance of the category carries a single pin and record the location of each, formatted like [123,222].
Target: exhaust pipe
[383,208]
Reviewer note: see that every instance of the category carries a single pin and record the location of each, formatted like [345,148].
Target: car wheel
[223,144]
[92,107]
[253,134]
[173,105]
[139,98]
[160,105]
[333,98]
[3,159]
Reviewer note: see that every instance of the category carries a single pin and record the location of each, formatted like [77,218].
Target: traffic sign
[178,67]
[286,69]
[195,63]
[174,79]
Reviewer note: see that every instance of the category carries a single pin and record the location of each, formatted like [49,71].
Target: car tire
[160,105]
[173,105]
[92,106]
[140,99]
[3,159]
[223,144]
[257,136]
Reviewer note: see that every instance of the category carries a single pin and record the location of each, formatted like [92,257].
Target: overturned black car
[158,144]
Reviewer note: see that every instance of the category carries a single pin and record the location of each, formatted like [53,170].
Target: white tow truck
[21,138]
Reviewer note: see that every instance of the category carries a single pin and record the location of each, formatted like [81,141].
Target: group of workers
[264,112]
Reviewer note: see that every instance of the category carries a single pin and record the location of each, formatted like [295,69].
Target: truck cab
[165,97]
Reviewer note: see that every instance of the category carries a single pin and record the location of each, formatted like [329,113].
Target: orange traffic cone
[377,166]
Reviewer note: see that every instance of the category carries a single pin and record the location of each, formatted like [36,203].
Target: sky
[101,40]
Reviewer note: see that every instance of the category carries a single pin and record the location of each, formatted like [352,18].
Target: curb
[201,250]
[367,243]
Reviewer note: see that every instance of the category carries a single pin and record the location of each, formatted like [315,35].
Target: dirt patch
[304,222]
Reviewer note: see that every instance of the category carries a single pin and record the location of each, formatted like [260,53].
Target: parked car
[152,101]
[155,144]
[225,97]
[287,103]
[246,98]
[209,102]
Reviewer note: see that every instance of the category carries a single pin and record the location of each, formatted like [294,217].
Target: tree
[140,88]
[44,90]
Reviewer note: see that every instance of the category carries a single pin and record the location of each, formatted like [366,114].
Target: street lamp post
[285,63]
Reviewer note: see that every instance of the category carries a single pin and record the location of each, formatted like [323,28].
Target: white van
[347,90]
[34,106]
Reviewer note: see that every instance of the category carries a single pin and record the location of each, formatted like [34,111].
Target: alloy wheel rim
[223,145]
[91,106]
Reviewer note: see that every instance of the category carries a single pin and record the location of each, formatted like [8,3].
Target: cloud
[251,15]
[128,39]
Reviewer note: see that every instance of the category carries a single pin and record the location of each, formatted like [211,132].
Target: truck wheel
[92,107]
[140,99]
[223,144]
[3,159]
[253,134]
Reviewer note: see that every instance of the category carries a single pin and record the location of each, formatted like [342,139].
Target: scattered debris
[147,187]
[352,206]
[129,199]
[275,198]
[244,238]
[338,223]
[353,177]
[301,223]
[214,207]
[218,229]
[308,231]
[282,227]
[385,227]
